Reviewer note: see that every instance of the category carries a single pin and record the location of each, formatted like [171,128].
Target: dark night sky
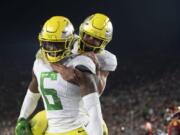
[142,28]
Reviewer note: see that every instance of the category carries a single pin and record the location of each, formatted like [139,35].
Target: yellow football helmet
[95,33]
[55,38]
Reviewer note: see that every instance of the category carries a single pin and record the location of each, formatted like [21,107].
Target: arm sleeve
[93,107]
[29,104]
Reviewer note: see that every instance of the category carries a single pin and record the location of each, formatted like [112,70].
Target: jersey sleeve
[107,60]
[85,62]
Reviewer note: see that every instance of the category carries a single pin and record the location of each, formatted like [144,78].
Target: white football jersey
[107,60]
[62,100]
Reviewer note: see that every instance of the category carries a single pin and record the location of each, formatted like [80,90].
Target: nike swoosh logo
[86,124]
[79,131]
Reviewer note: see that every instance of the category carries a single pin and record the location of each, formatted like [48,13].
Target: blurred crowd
[135,101]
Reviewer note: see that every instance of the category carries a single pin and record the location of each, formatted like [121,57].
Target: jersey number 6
[50,95]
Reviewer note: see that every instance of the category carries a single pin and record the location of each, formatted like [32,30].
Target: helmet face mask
[55,38]
[91,41]
[57,50]
[95,33]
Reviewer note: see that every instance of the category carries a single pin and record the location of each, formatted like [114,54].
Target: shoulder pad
[107,60]
[83,61]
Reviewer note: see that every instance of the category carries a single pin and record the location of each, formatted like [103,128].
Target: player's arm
[67,73]
[101,80]
[28,106]
[101,75]
[108,62]
[31,99]
[90,97]
[83,63]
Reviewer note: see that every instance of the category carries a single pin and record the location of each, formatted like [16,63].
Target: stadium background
[146,41]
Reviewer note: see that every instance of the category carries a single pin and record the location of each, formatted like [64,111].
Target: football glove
[23,127]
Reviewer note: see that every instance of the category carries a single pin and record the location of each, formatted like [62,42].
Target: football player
[71,106]
[95,33]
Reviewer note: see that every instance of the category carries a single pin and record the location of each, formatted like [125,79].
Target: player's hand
[23,127]
[67,73]
[93,57]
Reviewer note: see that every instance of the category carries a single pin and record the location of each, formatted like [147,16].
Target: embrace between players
[69,73]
